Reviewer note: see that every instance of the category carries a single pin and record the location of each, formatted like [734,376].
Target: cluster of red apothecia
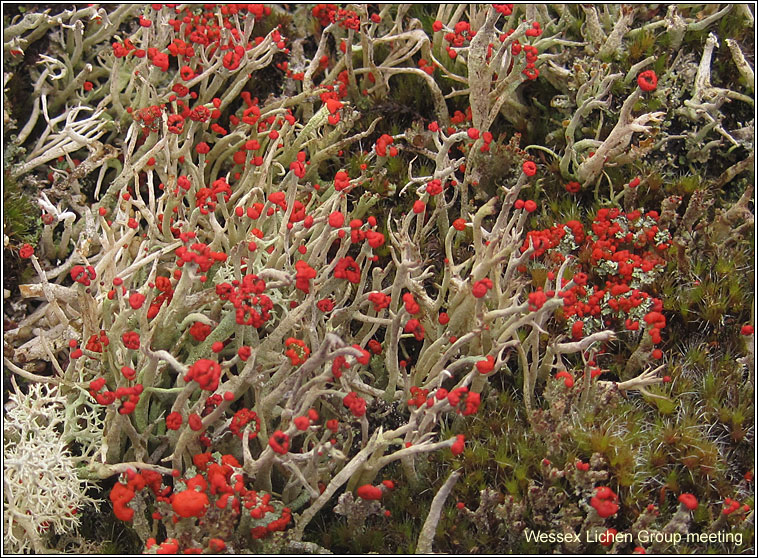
[622,254]
[470,399]
[213,493]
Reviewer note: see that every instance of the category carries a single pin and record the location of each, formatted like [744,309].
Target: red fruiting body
[174,421]
[216,545]
[301,423]
[688,500]
[365,355]
[241,418]
[458,445]
[136,300]
[336,219]
[279,442]
[414,326]
[303,276]
[576,330]
[357,405]
[190,503]
[120,495]
[604,501]
[82,275]
[128,372]
[647,80]
[195,422]
[480,288]
[487,365]
[411,306]
[569,380]
[369,492]
[297,351]
[325,305]
[131,340]
[244,353]
[379,300]
[26,251]
[730,506]
[348,269]
[206,373]
[419,396]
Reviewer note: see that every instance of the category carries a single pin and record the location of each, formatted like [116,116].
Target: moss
[686,185]
[733,25]
[641,46]
[21,218]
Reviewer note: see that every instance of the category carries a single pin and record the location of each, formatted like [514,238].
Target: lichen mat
[272,272]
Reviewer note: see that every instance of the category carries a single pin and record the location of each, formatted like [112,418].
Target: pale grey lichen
[42,490]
